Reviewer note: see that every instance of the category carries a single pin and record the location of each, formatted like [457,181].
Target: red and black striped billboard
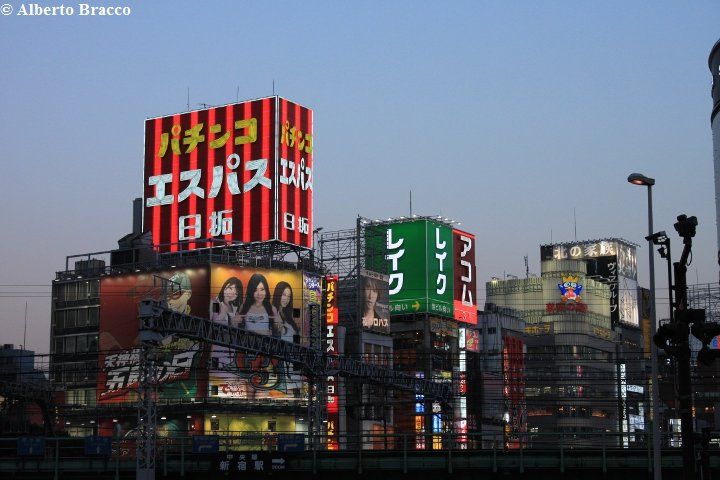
[234,173]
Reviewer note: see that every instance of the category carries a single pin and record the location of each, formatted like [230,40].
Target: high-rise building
[202,388]
[215,249]
[714,65]
[502,377]
[584,361]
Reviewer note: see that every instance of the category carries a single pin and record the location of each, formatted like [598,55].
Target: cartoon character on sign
[263,374]
[570,289]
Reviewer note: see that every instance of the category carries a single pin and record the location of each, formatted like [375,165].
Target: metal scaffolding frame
[147,410]
[705,296]
[41,395]
[273,254]
[347,253]
[157,321]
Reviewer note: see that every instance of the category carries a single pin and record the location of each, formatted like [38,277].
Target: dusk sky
[506,116]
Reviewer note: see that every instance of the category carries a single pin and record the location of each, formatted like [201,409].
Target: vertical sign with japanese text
[440,277]
[464,299]
[295,174]
[234,173]
[331,348]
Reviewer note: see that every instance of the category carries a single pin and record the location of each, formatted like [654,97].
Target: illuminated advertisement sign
[570,289]
[235,173]
[419,417]
[469,340]
[611,261]
[464,301]
[178,372]
[628,301]
[267,302]
[374,303]
[331,348]
[431,268]
[461,413]
[623,404]
[570,296]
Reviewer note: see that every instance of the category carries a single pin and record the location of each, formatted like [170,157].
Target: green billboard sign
[418,257]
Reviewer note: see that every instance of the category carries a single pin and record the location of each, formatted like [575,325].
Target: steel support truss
[147,410]
[163,321]
[27,391]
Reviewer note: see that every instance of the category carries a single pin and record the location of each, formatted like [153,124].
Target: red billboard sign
[331,348]
[235,173]
[465,281]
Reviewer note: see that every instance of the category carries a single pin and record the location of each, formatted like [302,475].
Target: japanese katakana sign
[234,173]
[331,348]
[431,268]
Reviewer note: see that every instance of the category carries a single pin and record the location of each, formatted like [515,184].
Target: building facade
[582,317]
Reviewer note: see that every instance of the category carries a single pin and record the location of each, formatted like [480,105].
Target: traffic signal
[672,337]
[705,332]
[691,316]
[707,356]
[686,226]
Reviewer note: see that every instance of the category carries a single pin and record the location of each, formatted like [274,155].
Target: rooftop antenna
[273,87]
[25,331]
[188,99]
[575,223]
[527,268]
[411,203]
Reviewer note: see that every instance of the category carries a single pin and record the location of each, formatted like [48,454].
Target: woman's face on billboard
[230,293]
[259,294]
[285,297]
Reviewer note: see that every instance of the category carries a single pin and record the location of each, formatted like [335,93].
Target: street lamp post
[642,180]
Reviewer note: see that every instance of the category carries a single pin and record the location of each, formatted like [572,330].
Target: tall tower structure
[714,65]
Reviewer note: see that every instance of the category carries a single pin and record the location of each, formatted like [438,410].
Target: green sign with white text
[418,257]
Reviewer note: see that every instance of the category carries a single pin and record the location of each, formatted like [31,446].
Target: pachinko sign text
[234,173]
[331,348]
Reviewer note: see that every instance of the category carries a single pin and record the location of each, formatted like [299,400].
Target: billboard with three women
[267,302]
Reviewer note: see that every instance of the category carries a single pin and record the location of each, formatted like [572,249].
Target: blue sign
[97,445]
[240,464]
[30,446]
[206,444]
[291,442]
